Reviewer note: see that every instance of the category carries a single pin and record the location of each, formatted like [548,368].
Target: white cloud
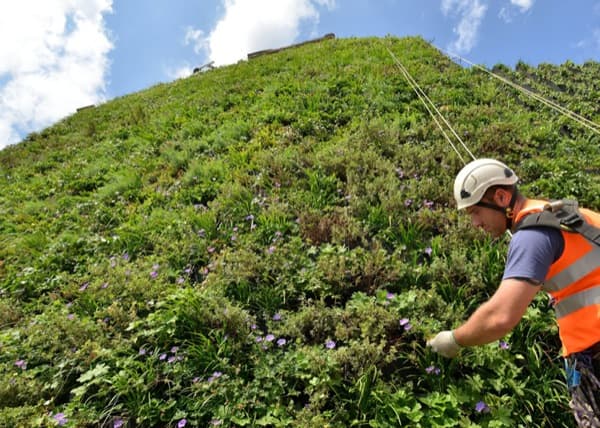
[56,61]
[524,5]
[252,25]
[471,14]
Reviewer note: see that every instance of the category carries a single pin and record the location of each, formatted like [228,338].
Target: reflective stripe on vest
[580,268]
[570,304]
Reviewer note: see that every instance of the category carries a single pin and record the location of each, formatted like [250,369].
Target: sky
[59,55]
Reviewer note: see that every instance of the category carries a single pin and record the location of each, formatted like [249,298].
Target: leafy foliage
[271,243]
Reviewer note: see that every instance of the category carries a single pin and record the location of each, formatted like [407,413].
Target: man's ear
[502,197]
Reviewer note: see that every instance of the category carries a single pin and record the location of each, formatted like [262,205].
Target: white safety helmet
[476,177]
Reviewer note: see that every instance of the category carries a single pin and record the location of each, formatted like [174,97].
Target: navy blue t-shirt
[531,252]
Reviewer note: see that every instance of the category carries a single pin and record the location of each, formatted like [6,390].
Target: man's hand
[445,344]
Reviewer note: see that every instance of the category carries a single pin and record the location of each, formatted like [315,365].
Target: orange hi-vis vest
[573,282]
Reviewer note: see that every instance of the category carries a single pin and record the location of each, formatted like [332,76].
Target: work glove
[444,344]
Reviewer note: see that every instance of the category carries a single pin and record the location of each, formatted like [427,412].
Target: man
[541,256]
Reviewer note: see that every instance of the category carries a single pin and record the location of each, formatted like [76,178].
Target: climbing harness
[563,215]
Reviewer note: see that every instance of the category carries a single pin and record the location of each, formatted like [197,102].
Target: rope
[594,127]
[429,105]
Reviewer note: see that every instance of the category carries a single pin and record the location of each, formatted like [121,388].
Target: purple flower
[428,251]
[105,285]
[196,379]
[329,344]
[216,422]
[214,376]
[22,364]
[60,418]
[503,345]
[405,324]
[153,274]
[172,359]
[180,280]
[181,423]
[399,172]
[162,357]
[271,249]
[427,204]
[281,342]
[259,339]
[118,423]
[269,338]
[84,286]
[142,351]
[249,217]
[174,349]
[253,327]
[211,249]
[277,317]
[433,369]
[202,233]
[126,257]
[408,202]
[389,296]
[71,317]
[481,407]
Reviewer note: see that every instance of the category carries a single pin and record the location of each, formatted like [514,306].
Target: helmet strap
[507,211]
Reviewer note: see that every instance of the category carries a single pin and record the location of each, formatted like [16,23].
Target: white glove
[445,344]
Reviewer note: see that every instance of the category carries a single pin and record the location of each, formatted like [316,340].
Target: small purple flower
[428,251]
[118,423]
[142,351]
[271,249]
[399,172]
[84,286]
[126,257]
[428,204]
[277,317]
[211,249]
[389,296]
[71,317]
[180,280]
[259,339]
[162,357]
[214,376]
[22,364]
[216,422]
[172,359]
[503,345]
[174,349]
[60,418]
[281,342]
[202,233]
[105,285]
[153,274]
[405,324]
[433,369]
[408,202]
[253,327]
[249,217]
[181,423]
[269,338]
[196,379]
[481,407]
[330,344]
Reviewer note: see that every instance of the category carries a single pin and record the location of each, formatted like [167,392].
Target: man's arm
[499,315]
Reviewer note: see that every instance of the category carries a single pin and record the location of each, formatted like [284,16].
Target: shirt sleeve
[531,252]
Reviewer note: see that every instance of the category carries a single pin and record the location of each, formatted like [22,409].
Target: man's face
[488,219]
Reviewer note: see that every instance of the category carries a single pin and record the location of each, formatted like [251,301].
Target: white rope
[429,105]
[594,127]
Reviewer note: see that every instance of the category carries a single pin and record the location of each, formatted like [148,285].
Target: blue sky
[59,55]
